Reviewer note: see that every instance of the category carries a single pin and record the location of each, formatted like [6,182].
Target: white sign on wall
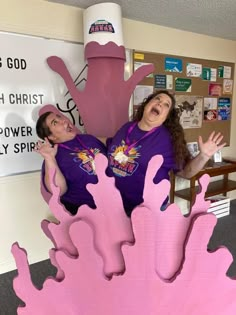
[27,83]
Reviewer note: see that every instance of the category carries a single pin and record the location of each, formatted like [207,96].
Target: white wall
[21,205]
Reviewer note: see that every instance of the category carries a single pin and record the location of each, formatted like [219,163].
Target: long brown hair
[182,155]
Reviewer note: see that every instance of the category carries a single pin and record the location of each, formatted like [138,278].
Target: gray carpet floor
[224,234]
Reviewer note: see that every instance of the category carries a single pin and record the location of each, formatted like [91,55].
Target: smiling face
[60,127]
[156,111]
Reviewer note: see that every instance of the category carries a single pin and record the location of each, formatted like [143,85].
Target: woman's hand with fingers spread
[46,149]
[212,145]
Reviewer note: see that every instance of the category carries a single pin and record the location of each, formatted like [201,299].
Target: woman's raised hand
[46,149]
[212,145]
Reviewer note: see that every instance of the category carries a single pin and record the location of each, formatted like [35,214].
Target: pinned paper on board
[224,108]
[194,70]
[190,110]
[227,86]
[215,89]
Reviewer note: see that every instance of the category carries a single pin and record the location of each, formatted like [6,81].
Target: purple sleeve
[169,162]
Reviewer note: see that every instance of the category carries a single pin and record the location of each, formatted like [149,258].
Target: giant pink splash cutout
[195,283]
[110,225]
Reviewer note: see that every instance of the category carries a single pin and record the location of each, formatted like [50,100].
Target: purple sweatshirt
[74,162]
[130,176]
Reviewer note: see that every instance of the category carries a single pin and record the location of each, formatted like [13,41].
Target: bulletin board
[203,90]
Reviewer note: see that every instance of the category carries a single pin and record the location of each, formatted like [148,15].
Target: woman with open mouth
[155,130]
[71,155]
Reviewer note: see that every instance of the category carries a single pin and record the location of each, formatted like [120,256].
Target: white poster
[194,70]
[227,72]
[138,64]
[27,83]
[213,74]
[141,92]
[228,86]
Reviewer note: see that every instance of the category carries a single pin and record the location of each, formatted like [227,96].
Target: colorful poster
[173,64]
[138,64]
[227,86]
[224,72]
[183,85]
[210,103]
[215,89]
[210,115]
[160,81]
[190,109]
[224,108]
[194,70]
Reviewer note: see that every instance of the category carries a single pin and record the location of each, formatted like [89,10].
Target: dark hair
[139,114]
[182,155]
[42,129]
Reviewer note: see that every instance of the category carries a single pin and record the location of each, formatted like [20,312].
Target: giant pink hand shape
[104,103]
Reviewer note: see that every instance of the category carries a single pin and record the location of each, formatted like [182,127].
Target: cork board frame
[199,87]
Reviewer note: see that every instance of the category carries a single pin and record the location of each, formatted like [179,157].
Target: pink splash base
[154,280]
[201,288]
[112,228]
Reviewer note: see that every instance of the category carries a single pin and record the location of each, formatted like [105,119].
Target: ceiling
[210,17]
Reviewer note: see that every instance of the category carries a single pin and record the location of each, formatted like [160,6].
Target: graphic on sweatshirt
[86,157]
[122,159]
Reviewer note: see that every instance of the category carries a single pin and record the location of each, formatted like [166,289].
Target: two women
[154,130]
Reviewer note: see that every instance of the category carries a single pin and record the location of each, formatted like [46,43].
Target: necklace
[123,156]
[91,155]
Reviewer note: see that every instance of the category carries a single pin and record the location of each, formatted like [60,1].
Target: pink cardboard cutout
[110,232]
[197,290]
[172,228]
[104,103]
[169,224]
[199,285]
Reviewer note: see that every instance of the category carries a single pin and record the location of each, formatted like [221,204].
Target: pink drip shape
[104,102]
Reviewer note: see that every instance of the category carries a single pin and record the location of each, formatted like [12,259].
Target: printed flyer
[224,108]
